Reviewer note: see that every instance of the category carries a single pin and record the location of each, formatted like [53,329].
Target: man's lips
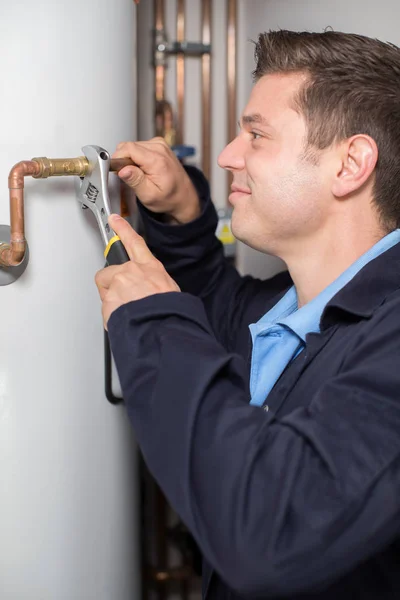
[242,190]
[237,191]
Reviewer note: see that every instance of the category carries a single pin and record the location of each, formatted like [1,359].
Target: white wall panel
[67,457]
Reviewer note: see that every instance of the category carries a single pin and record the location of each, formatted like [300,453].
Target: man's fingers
[134,244]
[103,279]
[139,154]
[133,176]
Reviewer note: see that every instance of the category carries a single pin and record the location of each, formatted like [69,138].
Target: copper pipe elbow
[21,170]
[12,254]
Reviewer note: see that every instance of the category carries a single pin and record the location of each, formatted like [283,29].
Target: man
[269,411]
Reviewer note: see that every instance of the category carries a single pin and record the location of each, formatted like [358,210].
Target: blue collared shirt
[280,335]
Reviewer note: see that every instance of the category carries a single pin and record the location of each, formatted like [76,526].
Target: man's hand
[142,276]
[159,180]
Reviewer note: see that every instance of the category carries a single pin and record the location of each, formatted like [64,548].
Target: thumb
[133,176]
[134,244]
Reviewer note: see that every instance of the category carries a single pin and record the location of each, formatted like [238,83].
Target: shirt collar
[369,288]
[375,280]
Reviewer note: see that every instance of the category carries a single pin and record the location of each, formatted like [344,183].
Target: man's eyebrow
[253,118]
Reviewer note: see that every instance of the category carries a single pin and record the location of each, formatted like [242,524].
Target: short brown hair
[353,86]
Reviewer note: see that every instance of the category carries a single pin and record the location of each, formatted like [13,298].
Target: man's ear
[358,158]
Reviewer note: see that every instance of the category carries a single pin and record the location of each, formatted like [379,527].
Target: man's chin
[241,236]
[235,230]
[239,226]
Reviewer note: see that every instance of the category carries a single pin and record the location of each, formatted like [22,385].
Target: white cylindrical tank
[68,483]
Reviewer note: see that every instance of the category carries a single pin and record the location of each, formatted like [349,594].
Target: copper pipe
[231,72]
[206,90]
[180,73]
[159,14]
[164,118]
[116,164]
[159,82]
[12,254]
[171,574]
[161,516]
[165,121]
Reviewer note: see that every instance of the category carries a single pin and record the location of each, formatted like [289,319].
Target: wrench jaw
[93,190]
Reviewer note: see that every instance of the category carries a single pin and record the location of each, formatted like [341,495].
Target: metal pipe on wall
[161,573]
[159,84]
[182,48]
[231,72]
[180,72]
[12,254]
[206,89]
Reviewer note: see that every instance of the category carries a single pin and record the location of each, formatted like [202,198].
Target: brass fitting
[51,167]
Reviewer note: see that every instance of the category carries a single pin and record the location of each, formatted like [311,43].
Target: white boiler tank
[68,480]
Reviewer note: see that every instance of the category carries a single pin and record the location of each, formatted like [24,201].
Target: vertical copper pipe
[159,84]
[13,253]
[159,502]
[161,510]
[159,14]
[231,72]
[180,73]
[206,89]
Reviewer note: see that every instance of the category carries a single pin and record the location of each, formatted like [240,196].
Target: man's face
[279,196]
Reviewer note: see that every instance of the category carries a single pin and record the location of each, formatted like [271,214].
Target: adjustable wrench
[93,193]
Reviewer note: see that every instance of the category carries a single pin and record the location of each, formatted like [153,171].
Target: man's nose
[232,156]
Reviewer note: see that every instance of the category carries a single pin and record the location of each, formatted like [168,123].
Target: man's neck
[322,261]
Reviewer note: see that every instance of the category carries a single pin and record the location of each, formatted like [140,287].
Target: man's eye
[255,135]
